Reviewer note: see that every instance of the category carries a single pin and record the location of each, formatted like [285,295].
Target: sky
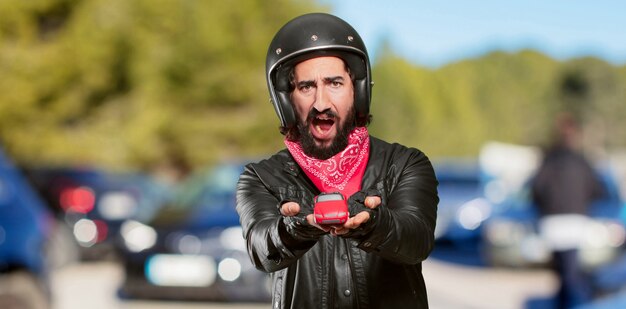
[434,33]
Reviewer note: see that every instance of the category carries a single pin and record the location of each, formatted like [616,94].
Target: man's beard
[339,142]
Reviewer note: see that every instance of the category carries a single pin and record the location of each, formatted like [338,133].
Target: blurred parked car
[94,203]
[511,236]
[26,226]
[194,248]
[462,207]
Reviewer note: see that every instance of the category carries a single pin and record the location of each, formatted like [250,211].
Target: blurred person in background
[318,75]
[563,189]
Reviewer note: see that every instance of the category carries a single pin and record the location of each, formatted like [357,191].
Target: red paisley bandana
[342,172]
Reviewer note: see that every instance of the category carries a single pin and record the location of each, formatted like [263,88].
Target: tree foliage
[510,97]
[143,83]
[137,83]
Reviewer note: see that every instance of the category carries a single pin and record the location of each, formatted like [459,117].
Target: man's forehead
[328,64]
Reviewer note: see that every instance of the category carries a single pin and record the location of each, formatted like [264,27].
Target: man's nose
[322,101]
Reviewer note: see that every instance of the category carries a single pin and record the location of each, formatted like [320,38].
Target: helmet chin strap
[362,97]
[288,118]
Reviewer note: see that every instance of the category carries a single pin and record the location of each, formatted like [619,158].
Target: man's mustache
[313,113]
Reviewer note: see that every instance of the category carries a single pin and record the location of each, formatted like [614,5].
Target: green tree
[147,83]
[510,97]
[137,83]
[595,92]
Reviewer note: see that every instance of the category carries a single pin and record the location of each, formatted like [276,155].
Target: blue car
[462,207]
[511,237]
[193,249]
[26,225]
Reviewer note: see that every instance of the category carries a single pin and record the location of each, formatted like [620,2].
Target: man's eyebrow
[310,83]
[305,83]
[333,79]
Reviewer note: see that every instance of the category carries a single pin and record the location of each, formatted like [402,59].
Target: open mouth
[323,123]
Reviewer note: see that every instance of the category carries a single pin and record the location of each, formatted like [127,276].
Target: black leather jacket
[382,270]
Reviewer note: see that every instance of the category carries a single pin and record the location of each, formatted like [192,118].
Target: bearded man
[319,79]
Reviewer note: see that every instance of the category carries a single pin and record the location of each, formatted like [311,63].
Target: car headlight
[472,214]
[138,236]
[89,232]
[117,205]
[229,269]
[181,270]
[232,238]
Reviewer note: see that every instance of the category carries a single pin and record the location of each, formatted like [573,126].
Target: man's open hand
[362,217]
[292,209]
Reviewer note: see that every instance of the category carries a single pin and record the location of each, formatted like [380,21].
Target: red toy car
[330,208]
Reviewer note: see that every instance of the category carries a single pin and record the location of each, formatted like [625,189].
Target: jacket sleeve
[405,232]
[261,222]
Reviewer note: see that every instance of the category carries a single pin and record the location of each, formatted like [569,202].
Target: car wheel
[21,290]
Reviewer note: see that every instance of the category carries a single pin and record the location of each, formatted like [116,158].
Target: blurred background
[124,126]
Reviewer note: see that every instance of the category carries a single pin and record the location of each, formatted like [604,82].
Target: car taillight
[78,199]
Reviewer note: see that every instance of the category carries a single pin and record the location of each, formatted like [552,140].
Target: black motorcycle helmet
[309,36]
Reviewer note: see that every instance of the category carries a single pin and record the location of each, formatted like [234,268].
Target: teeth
[319,129]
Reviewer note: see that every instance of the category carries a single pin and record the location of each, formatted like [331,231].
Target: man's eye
[336,84]
[305,88]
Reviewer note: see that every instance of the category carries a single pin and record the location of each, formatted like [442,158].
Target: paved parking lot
[94,285]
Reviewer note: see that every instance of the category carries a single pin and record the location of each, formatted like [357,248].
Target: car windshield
[458,177]
[459,183]
[330,197]
[208,198]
